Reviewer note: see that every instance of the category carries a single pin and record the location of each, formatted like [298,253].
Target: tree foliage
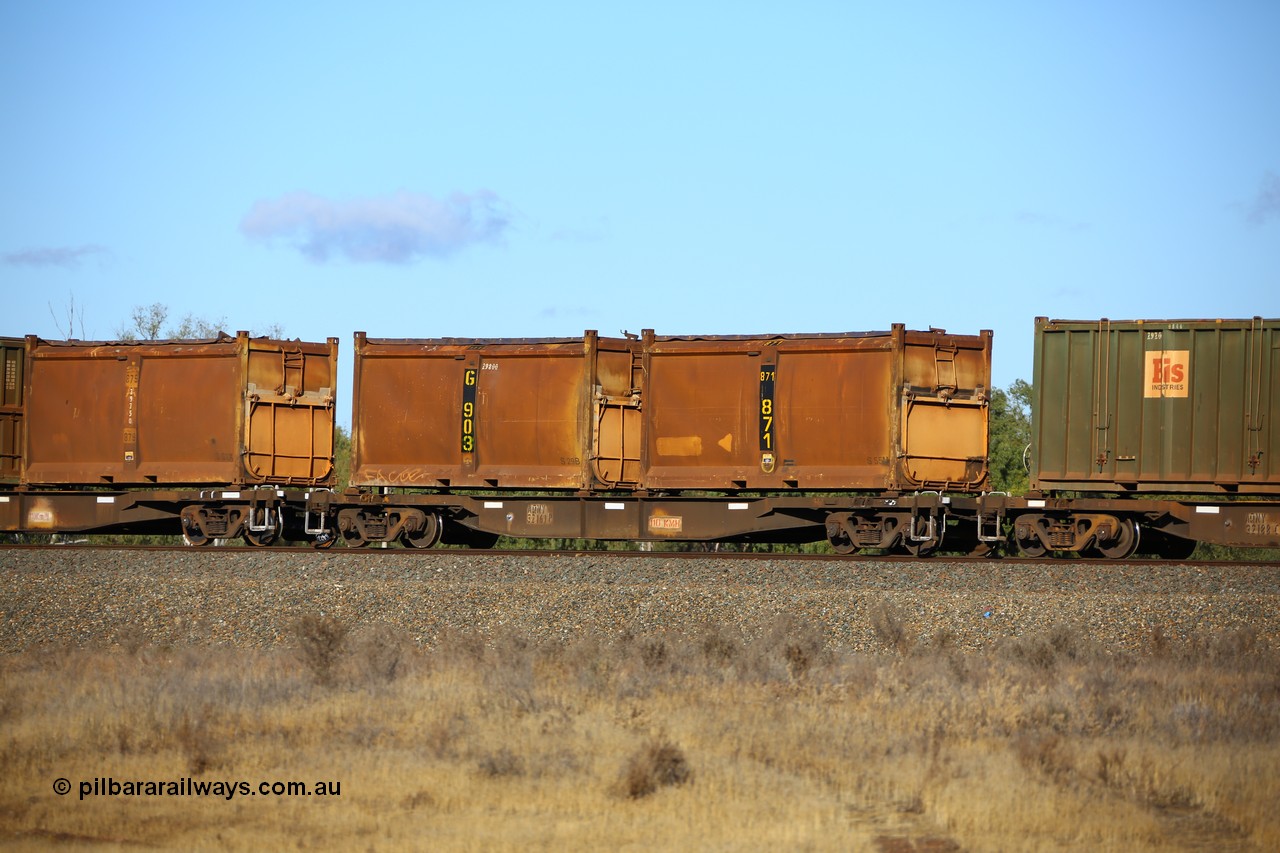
[75,317]
[341,457]
[150,323]
[1010,437]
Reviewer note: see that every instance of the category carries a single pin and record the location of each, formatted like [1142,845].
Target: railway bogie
[256,515]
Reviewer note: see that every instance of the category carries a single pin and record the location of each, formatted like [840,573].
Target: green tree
[341,458]
[1009,437]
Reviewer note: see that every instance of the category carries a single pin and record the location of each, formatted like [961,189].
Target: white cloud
[1267,203]
[56,256]
[396,229]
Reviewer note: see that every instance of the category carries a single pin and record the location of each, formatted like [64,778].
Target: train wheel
[921,549]
[262,538]
[839,539]
[1030,547]
[925,547]
[983,549]
[351,526]
[1124,543]
[426,537]
[353,538]
[844,547]
[1024,535]
[192,535]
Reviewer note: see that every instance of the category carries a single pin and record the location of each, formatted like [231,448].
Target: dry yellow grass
[650,742]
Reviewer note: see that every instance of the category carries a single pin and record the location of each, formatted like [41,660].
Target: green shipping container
[1156,406]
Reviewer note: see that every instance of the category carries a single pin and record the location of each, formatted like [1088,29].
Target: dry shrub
[441,736]
[891,628]
[1242,648]
[799,646]
[459,648]
[198,735]
[719,648]
[654,653]
[1049,754]
[1158,644]
[502,763]
[421,799]
[1059,644]
[322,641]
[381,652]
[1110,766]
[508,673]
[588,663]
[657,764]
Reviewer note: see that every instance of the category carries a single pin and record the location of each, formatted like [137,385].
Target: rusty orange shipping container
[897,410]
[234,411]
[506,413]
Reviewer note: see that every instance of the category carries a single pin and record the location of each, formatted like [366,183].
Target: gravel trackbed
[249,597]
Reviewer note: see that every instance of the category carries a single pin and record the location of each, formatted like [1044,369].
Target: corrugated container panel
[1156,405]
[857,411]
[230,411]
[11,371]
[492,413]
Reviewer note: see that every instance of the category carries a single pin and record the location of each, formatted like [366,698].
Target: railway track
[373,552]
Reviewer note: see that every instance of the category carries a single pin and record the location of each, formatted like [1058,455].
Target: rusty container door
[475,413]
[174,413]
[945,386]
[12,352]
[854,411]
[1156,405]
[617,394]
[290,392]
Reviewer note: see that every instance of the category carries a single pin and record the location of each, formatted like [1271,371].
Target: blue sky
[528,170]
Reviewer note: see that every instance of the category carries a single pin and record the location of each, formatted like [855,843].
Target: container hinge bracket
[991,524]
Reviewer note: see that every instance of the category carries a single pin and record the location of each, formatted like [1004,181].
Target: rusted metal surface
[795,518]
[261,515]
[12,359]
[515,414]
[1157,406]
[88,512]
[897,410]
[865,411]
[1119,527]
[230,411]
